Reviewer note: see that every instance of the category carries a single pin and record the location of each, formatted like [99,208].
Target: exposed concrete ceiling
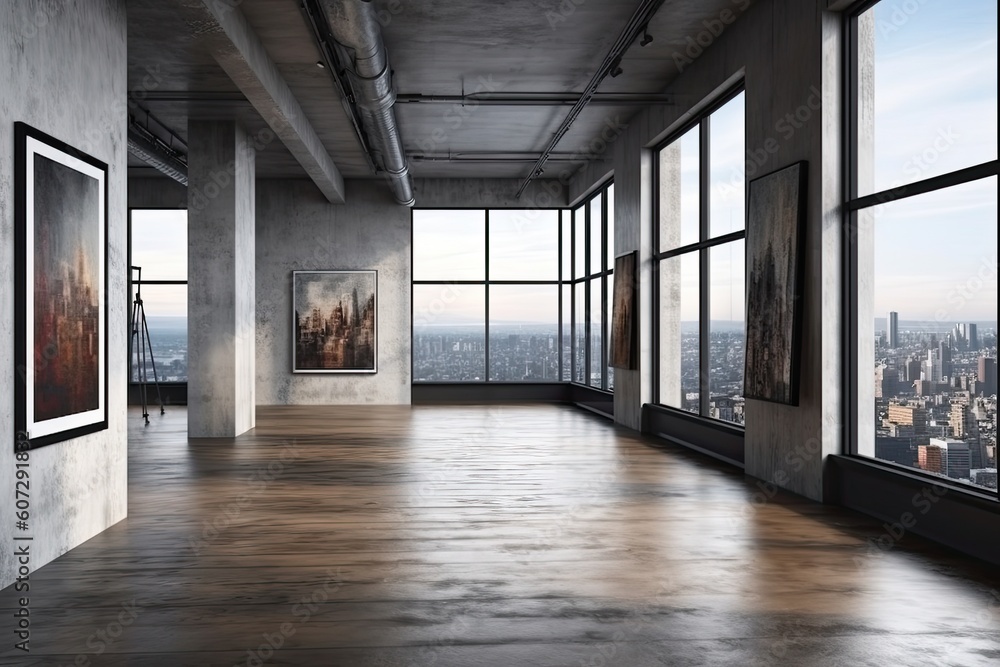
[436,47]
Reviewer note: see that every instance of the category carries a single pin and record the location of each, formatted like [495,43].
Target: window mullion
[704,305]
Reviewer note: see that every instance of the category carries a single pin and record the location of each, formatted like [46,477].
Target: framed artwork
[334,326]
[776,210]
[61,284]
[623,316]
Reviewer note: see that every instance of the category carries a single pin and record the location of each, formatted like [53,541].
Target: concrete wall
[298,230]
[156,192]
[787,71]
[64,73]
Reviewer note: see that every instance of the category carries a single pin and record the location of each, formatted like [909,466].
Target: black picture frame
[775,244]
[344,343]
[624,325]
[61,288]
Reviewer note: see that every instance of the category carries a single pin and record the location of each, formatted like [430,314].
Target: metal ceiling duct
[146,148]
[355,27]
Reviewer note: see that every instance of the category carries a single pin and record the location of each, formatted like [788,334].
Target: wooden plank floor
[478,536]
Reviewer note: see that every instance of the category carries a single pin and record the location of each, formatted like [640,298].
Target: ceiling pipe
[535,99]
[356,30]
[146,147]
[639,20]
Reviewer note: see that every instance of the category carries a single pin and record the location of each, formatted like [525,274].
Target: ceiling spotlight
[646,39]
[320,64]
[616,67]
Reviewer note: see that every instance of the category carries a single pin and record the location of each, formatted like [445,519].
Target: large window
[590,247]
[486,296]
[922,220]
[700,265]
[158,245]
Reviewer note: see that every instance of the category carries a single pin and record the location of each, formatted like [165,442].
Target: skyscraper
[944,353]
[987,375]
[892,330]
[973,336]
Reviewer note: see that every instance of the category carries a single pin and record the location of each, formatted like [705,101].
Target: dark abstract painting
[623,315]
[334,321]
[775,232]
[61,346]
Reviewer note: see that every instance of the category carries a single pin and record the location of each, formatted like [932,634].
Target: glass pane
[727,155]
[678,196]
[934,391]
[596,234]
[449,333]
[165,307]
[524,333]
[727,336]
[912,128]
[159,244]
[579,240]
[524,245]
[596,333]
[449,245]
[579,333]
[680,356]
[567,245]
[567,331]
[611,226]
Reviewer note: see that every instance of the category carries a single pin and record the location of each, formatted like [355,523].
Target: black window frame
[703,247]
[130,295]
[853,204]
[486,283]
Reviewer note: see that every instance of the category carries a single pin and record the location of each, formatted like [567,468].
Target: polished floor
[479,536]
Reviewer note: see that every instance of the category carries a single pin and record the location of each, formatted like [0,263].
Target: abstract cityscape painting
[775,232]
[334,321]
[623,316]
[61,284]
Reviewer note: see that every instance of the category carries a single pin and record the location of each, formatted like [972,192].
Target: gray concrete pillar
[221,393]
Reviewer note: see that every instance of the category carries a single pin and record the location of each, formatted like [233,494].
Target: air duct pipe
[162,159]
[355,27]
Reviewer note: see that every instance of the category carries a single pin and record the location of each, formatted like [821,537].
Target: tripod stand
[139,342]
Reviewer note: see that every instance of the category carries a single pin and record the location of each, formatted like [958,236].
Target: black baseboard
[708,436]
[912,503]
[173,393]
[432,393]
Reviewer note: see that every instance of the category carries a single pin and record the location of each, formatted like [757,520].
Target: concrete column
[634,231]
[221,310]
